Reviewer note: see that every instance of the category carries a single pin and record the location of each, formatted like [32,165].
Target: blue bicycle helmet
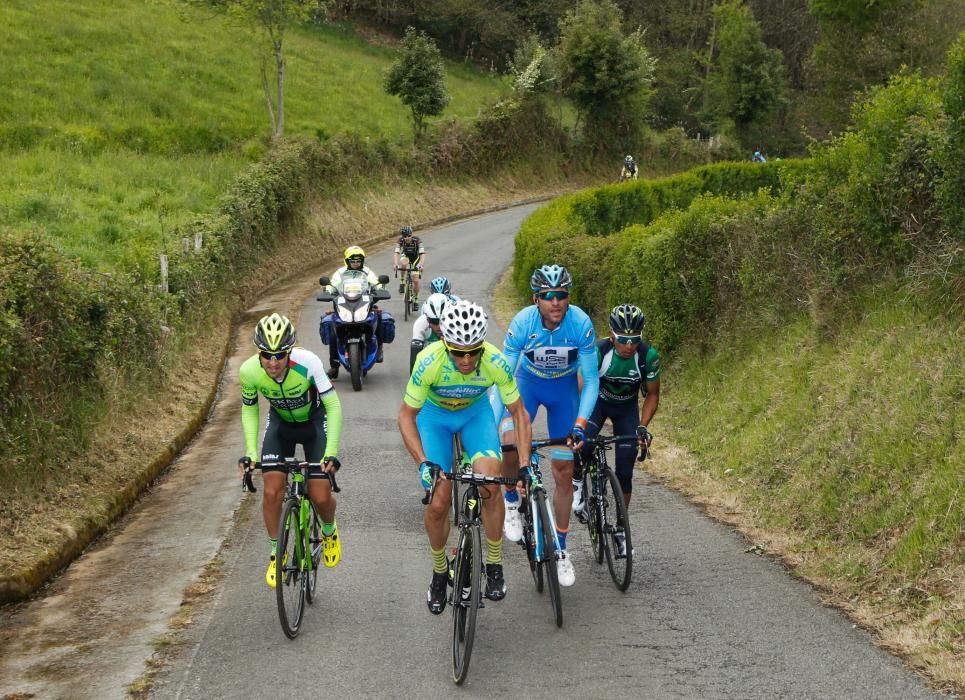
[550,277]
[440,285]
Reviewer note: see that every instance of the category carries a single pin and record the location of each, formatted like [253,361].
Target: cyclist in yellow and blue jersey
[445,396]
[546,345]
[303,410]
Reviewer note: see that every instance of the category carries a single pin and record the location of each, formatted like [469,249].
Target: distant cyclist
[446,395]
[546,345]
[354,262]
[303,410]
[628,365]
[758,157]
[441,285]
[426,329]
[629,170]
[409,253]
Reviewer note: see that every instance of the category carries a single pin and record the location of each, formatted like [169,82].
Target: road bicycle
[299,544]
[468,574]
[539,528]
[409,299]
[605,512]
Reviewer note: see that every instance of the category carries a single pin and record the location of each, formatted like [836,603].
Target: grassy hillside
[122,119]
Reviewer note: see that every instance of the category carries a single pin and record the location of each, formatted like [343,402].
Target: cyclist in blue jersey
[546,345]
[445,396]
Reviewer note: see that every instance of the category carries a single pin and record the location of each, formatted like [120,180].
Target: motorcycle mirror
[324,280]
[383,279]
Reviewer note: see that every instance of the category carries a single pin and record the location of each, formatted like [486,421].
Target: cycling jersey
[448,403]
[436,379]
[421,330]
[303,391]
[538,353]
[410,246]
[621,378]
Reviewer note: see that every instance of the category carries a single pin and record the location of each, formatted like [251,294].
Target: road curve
[702,618]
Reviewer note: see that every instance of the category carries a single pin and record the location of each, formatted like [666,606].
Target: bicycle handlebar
[539,444]
[291,463]
[464,477]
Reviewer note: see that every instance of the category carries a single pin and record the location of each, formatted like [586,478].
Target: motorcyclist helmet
[354,254]
[434,306]
[550,277]
[463,324]
[440,285]
[627,319]
[274,333]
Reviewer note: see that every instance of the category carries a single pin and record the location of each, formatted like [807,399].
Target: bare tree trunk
[280,66]
[267,90]
[710,58]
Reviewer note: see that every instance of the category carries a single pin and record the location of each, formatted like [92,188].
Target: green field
[122,119]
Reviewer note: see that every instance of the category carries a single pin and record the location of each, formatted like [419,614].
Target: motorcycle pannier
[387,327]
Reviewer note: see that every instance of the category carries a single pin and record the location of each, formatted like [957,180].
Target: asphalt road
[702,618]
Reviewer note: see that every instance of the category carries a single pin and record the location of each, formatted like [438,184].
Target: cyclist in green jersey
[628,365]
[445,396]
[303,409]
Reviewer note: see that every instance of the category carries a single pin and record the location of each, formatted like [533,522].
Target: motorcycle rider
[354,258]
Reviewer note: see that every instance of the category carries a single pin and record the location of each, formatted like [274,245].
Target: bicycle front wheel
[466,595]
[548,563]
[289,590]
[314,549]
[616,527]
[529,542]
[593,516]
[405,297]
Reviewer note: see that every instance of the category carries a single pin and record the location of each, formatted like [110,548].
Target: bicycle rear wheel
[289,590]
[548,563]
[593,516]
[615,522]
[466,594]
[315,548]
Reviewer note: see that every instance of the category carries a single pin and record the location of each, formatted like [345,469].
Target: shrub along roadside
[815,332]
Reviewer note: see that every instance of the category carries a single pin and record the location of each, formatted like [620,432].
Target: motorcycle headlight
[345,314]
[361,314]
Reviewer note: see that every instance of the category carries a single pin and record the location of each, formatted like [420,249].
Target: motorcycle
[354,324]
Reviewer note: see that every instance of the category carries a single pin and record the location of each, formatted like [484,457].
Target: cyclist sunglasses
[554,294]
[472,352]
[274,355]
[628,339]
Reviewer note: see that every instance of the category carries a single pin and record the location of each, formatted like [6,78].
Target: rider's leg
[319,488]
[626,418]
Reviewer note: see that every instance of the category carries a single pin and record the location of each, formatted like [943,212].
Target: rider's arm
[335,280]
[410,432]
[589,370]
[420,329]
[652,379]
[422,254]
[333,423]
[524,430]
[249,408]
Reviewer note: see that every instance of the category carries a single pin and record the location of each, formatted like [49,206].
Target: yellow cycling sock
[494,551]
[439,562]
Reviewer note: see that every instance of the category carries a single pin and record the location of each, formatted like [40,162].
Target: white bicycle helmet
[434,306]
[464,324]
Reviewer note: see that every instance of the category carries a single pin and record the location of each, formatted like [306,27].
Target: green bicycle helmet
[275,333]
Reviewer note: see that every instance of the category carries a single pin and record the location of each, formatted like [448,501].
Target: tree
[418,78]
[273,18]
[606,73]
[745,79]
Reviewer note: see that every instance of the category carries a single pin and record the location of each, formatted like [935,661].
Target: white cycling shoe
[564,569]
[513,522]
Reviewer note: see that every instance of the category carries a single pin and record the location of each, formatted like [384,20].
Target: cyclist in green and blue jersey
[444,397]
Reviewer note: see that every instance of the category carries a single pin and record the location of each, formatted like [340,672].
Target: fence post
[164,274]
[198,239]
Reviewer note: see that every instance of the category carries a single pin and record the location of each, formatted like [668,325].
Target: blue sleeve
[512,349]
[590,371]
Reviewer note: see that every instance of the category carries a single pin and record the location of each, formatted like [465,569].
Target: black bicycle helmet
[627,319]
